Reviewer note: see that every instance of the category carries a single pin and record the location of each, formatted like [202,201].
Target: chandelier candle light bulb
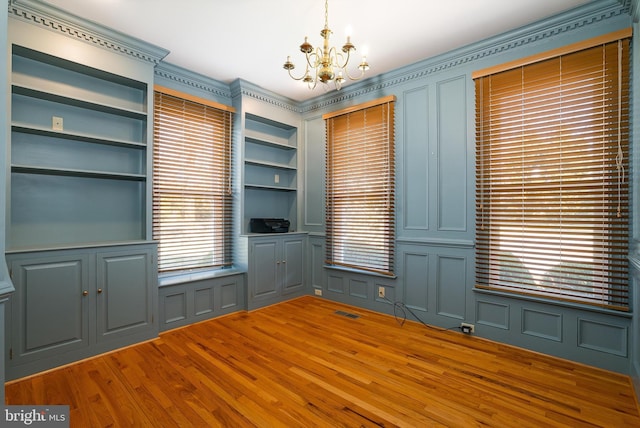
[326,64]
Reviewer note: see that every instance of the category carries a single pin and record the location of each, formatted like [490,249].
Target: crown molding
[59,21]
[574,19]
[240,87]
[183,76]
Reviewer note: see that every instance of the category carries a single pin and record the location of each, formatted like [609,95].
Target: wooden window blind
[360,187]
[552,199]
[192,203]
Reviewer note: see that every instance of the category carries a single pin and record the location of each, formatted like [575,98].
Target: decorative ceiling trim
[185,77]
[240,87]
[575,19]
[59,21]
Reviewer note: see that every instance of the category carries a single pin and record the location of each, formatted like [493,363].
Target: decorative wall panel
[492,314]
[358,288]
[542,324]
[451,285]
[416,274]
[416,159]
[602,337]
[175,307]
[335,283]
[452,154]
[203,301]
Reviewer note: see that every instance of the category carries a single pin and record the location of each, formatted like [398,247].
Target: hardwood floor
[299,363]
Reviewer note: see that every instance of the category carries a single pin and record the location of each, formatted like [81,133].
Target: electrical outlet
[381,292]
[276,178]
[318,291]
[467,328]
[57,123]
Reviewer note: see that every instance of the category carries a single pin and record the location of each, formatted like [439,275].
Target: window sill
[360,271]
[542,300]
[176,278]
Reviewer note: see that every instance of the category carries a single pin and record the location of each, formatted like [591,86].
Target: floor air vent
[347,314]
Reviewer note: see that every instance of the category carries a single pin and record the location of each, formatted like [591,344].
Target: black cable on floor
[399,306]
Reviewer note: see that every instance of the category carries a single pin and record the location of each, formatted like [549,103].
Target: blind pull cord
[620,155]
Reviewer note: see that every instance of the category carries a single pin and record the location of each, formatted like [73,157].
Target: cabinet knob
[85,293]
[99,290]
[278,262]
[284,261]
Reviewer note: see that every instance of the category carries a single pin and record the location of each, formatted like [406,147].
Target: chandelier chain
[326,13]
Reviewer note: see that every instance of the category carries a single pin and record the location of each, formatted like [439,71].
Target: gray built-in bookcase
[270,170]
[78,234]
[78,154]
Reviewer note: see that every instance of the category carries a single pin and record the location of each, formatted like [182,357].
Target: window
[360,214]
[191,182]
[551,192]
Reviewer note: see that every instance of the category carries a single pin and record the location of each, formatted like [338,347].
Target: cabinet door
[293,265]
[124,293]
[50,306]
[264,262]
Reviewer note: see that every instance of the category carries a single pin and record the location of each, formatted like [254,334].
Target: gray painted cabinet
[276,267]
[70,304]
[124,293]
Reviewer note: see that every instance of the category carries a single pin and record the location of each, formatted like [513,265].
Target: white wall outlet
[467,328]
[381,292]
[276,178]
[318,291]
[57,123]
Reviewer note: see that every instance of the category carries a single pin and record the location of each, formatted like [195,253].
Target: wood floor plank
[301,363]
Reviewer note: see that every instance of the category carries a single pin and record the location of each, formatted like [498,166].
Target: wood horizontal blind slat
[552,201]
[360,211]
[192,204]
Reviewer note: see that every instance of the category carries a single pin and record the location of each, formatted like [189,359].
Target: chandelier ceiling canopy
[326,64]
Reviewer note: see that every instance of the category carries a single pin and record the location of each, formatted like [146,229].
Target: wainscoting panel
[316,261]
[229,295]
[174,307]
[358,288]
[203,300]
[542,324]
[603,337]
[492,314]
[416,274]
[335,283]
[185,303]
[451,283]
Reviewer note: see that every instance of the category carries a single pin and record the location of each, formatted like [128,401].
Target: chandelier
[326,64]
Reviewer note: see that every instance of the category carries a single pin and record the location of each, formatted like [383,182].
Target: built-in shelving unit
[270,170]
[78,153]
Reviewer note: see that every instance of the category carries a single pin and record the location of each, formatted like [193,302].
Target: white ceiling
[250,39]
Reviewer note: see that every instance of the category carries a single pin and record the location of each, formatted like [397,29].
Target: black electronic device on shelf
[269,225]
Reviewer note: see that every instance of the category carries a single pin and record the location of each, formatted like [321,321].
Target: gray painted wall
[435,179]
[435,195]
